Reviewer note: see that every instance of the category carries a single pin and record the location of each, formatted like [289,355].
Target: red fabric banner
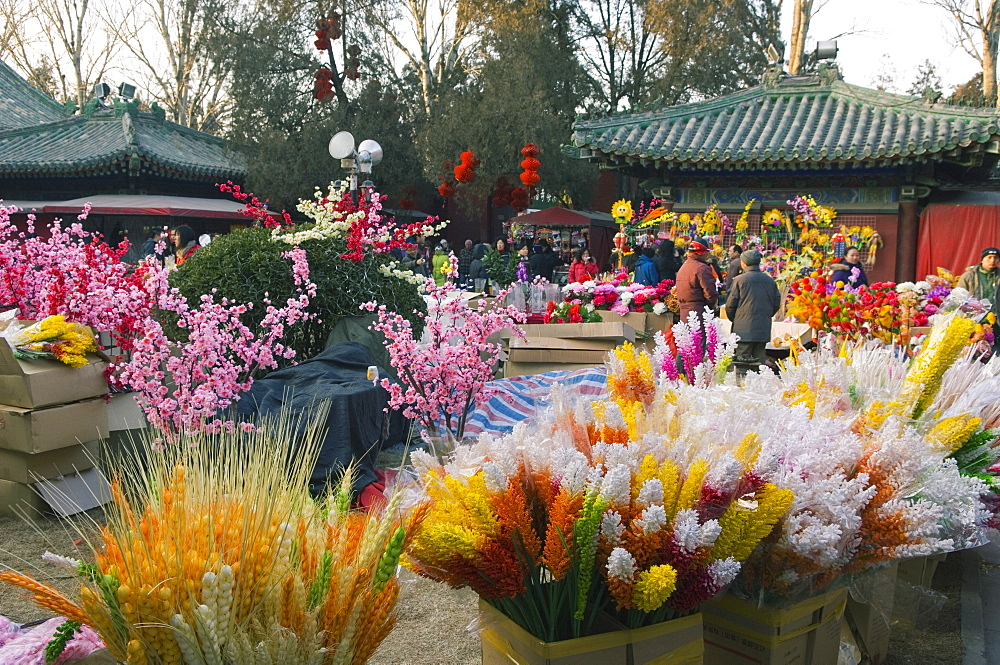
[953,236]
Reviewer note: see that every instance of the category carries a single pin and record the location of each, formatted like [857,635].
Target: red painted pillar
[906,240]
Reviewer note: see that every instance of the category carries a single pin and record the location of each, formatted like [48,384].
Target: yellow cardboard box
[677,642]
[41,430]
[805,633]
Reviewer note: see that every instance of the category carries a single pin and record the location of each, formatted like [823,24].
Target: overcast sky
[896,35]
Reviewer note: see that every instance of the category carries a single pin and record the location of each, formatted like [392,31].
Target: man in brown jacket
[696,285]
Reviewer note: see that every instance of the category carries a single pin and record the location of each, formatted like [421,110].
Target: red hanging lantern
[530,164]
[446,189]
[519,199]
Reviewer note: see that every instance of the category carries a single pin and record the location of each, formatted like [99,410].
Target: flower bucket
[677,642]
[738,632]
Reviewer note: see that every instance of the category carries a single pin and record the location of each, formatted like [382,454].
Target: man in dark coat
[645,269]
[696,287]
[543,261]
[734,268]
[751,304]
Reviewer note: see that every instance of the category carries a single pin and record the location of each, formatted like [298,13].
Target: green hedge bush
[246,264]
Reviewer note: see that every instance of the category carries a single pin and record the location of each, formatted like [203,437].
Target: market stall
[571,230]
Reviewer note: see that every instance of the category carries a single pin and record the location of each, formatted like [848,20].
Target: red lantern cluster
[530,165]
[327,29]
[446,189]
[519,199]
[323,85]
[465,171]
[352,63]
[501,193]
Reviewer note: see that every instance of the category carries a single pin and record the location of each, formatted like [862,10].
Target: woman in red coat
[583,268]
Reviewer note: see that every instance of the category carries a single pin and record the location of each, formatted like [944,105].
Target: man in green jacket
[983,281]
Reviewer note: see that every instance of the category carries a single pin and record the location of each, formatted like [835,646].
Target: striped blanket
[520,396]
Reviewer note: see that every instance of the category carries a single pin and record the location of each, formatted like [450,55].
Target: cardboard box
[512,368]
[576,356]
[20,498]
[562,343]
[618,331]
[66,495]
[41,430]
[635,319]
[870,616]
[805,633]
[919,571]
[36,383]
[124,413]
[29,467]
[506,643]
[676,642]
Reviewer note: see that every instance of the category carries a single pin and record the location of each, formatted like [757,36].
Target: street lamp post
[355,161]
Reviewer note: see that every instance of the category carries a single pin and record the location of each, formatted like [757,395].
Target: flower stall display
[885,310]
[188,358]
[55,338]
[215,554]
[442,380]
[567,312]
[621,295]
[552,526]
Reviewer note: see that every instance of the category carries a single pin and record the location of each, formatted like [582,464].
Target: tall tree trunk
[990,70]
[991,37]
[801,15]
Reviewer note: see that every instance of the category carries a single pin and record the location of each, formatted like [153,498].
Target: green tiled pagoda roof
[40,138]
[22,104]
[104,143]
[799,122]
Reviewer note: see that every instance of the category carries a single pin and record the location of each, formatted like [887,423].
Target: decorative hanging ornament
[530,164]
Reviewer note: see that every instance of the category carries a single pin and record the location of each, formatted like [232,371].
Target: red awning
[136,204]
[565,217]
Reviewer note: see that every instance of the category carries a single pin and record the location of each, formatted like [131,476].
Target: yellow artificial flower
[749,520]
[951,433]
[691,489]
[622,210]
[654,587]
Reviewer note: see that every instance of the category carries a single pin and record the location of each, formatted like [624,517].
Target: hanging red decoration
[530,178]
[530,164]
[465,171]
[501,193]
[446,189]
[519,199]
[323,85]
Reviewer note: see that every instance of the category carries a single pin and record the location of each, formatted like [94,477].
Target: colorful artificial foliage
[57,339]
[215,554]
